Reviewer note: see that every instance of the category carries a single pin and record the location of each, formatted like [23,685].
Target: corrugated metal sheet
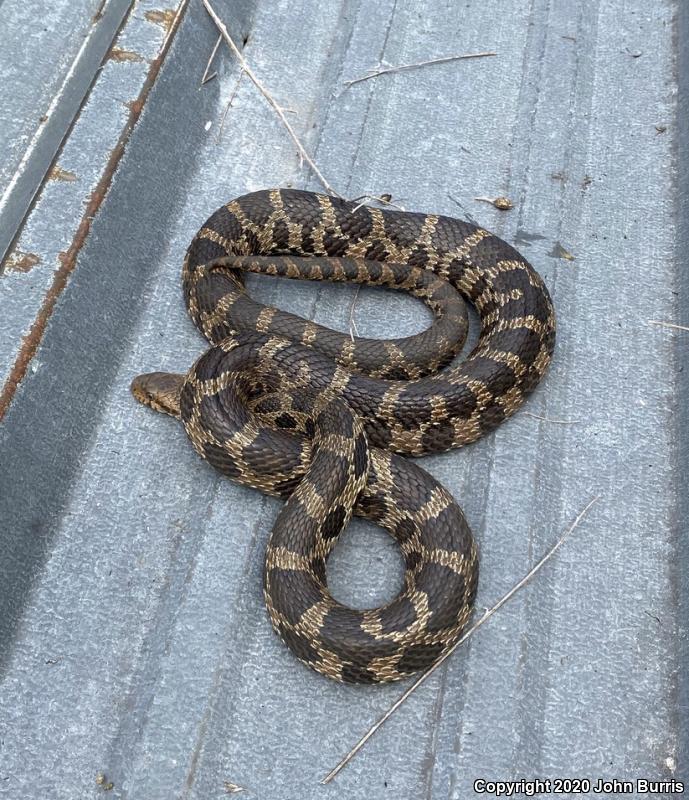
[134,638]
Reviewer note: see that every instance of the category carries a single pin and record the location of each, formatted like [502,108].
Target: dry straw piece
[271,100]
[374,73]
[529,575]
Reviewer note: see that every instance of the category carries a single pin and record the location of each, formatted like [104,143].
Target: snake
[328,422]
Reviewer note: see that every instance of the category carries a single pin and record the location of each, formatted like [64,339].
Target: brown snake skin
[322,421]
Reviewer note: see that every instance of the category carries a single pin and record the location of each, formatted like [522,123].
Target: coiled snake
[322,421]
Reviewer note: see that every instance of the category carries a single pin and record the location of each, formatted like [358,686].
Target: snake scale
[324,422]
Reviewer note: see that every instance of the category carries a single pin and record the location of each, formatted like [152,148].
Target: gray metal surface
[134,640]
[48,62]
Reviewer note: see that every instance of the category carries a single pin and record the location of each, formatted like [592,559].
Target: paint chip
[120,54]
[59,174]
[18,261]
[163,17]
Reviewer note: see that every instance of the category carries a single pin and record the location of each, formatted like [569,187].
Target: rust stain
[18,261]
[32,340]
[165,17]
[59,174]
[120,54]
[98,15]
[135,106]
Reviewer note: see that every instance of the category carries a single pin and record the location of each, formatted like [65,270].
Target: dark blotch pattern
[221,460]
[353,673]
[445,589]
[332,524]
[285,421]
[292,592]
[342,634]
[419,656]
[360,455]
[439,436]
[500,376]
[299,645]
[398,615]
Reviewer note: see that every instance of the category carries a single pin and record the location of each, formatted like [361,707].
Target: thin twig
[352,324]
[362,200]
[261,88]
[550,419]
[206,77]
[668,325]
[529,575]
[376,72]
[383,199]
[229,105]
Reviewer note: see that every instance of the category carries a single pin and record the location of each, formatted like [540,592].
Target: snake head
[159,391]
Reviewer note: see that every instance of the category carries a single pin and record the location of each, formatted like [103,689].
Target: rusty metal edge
[19,198]
[68,259]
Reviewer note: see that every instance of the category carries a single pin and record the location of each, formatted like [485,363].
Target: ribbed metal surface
[134,638]
[48,62]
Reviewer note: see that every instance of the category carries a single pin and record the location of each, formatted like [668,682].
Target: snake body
[324,422]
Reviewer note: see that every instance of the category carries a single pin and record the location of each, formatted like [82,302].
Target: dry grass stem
[269,98]
[402,67]
[668,325]
[229,105]
[206,77]
[352,324]
[554,420]
[529,575]
[383,199]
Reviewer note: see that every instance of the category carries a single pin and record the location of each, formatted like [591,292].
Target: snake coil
[323,421]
